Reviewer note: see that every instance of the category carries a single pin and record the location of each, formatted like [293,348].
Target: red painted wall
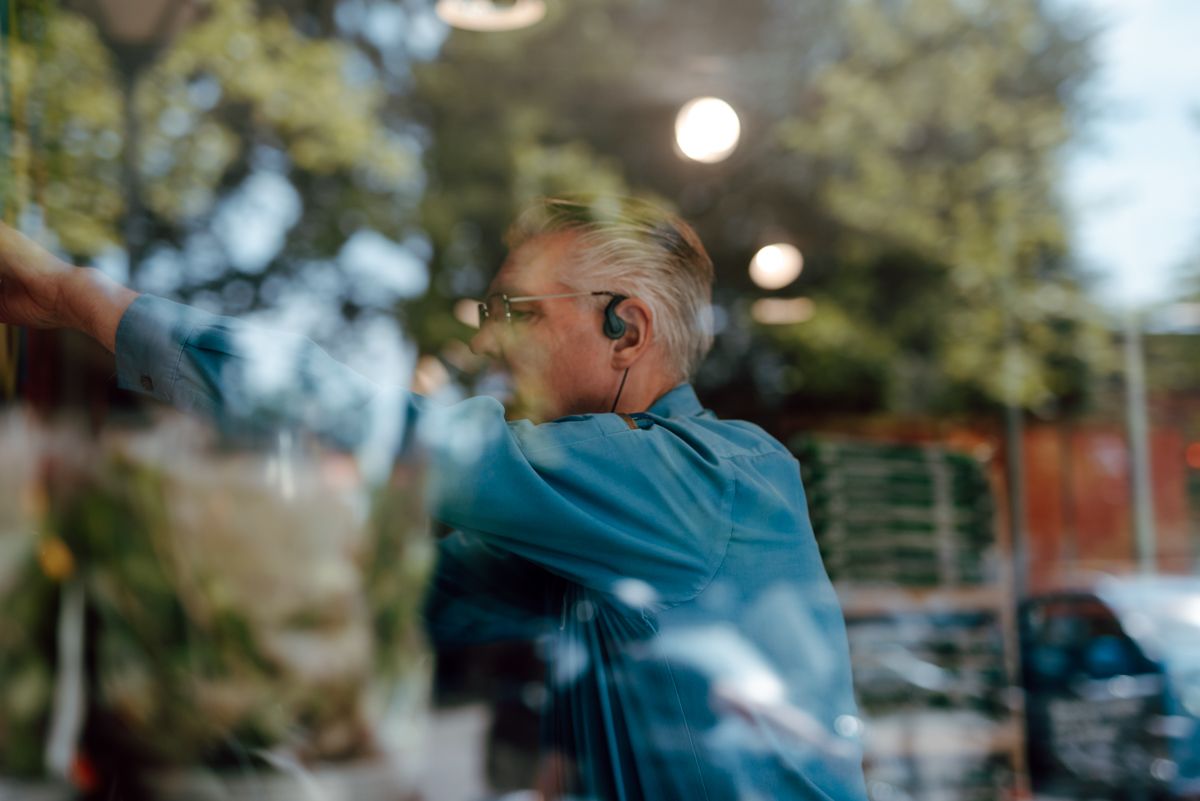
[1079,505]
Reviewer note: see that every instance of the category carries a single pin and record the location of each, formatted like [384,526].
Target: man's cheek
[532,361]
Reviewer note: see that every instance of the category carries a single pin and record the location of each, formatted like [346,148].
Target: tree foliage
[242,92]
[935,133]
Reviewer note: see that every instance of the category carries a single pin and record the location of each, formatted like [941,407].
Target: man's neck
[643,387]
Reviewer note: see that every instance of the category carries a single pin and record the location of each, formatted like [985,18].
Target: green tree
[932,142]
[242,92]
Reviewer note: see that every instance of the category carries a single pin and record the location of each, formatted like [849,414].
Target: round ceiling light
[776,266]
[491,15]
[707,129]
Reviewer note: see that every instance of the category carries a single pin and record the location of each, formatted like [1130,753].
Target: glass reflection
[986,370]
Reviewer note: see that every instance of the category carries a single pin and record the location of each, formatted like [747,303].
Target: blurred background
[958,273]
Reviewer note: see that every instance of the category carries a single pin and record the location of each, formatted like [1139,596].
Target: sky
[1134,187]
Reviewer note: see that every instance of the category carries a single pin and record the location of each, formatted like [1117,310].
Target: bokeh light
[776,266]
[707,129]
[485,15]
[782,311]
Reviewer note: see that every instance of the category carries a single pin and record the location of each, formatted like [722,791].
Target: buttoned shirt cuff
[149,345]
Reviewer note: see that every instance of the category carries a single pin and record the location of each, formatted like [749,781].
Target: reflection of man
[696,646]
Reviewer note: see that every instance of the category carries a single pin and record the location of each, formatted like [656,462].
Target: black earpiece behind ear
[614,326]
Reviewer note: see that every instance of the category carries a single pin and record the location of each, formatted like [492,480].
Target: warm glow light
[781,311]
[707,129]
[776,266]
[466,311]
[488,15]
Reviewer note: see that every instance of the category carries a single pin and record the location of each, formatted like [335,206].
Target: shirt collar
[679,402]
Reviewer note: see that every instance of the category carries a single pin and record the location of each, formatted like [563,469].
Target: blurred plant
[28,595]
[246,603]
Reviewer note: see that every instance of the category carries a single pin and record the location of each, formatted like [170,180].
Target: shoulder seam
[553,445]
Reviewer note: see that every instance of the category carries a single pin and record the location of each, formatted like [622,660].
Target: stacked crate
[908,534]
[896,514]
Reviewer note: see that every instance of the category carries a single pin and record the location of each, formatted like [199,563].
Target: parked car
[1112,675]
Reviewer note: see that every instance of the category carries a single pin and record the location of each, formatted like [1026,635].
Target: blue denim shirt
[697,647]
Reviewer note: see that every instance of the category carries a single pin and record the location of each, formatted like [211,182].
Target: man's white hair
[637,249]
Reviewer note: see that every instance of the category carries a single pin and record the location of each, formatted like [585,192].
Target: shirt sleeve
[480,593]
[642,513]
[246,379]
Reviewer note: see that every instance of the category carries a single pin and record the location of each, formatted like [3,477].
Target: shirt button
[147,383]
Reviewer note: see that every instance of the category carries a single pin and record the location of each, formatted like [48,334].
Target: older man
[696,647]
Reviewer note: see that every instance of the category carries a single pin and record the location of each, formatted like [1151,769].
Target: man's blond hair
[637,249]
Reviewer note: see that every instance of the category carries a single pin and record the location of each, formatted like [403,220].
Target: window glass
[483,399]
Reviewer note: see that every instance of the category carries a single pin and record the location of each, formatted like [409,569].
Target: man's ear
[639,333]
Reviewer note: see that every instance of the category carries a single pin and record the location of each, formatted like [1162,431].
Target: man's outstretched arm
[245,379]
[38,290]
[584,498]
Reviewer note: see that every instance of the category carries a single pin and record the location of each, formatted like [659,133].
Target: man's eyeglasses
[499,307]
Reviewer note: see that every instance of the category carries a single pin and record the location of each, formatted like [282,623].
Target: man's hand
[38,290]
[31,281]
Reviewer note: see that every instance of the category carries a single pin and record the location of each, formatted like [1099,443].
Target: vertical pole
[1014,467]
[1138,430]
[1014,432]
